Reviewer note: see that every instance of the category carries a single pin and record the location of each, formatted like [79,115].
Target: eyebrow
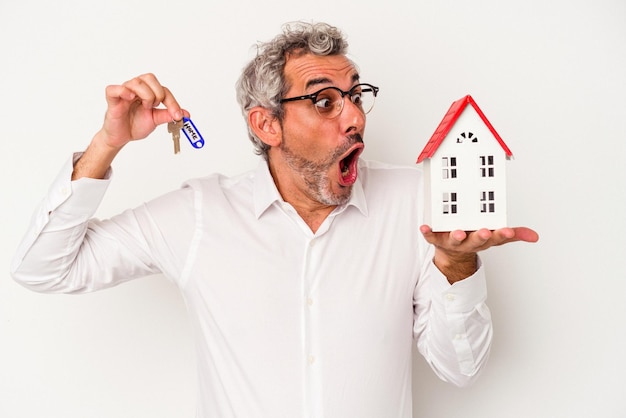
[324,80]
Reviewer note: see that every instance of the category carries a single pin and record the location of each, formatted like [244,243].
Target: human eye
[323,102]
[357,98]
[356,95]
[326,100]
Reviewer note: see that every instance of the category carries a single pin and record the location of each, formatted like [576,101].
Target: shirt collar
[265,193]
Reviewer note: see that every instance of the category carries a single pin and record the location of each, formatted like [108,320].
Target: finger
[445,239]
[430,236]
[426,230]
[502,235]
[162,95]
[506,235]
[151,81]
[146,89]
[115,93]
[161,116]
[119,99]
[458,236]
[525,234]
[477,240]
[171,104]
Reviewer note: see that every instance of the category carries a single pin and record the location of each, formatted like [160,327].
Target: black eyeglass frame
[313,96]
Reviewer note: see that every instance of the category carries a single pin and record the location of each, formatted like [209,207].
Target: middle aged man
[307,278]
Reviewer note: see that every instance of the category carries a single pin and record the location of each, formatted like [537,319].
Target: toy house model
[464,171]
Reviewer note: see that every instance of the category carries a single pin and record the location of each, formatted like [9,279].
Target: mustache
[355,139]
[351,139]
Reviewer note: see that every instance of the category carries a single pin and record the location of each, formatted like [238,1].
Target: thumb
[161,116]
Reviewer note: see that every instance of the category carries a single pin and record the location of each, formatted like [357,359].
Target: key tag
[192,133]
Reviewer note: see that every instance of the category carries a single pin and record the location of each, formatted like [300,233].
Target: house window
[486,165]
[449,203]
[487,202]
[466,135]
[449,167]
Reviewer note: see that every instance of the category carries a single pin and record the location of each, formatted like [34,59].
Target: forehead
[306,72]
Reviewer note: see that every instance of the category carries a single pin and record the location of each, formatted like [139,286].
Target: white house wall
[428,193]
[468,184]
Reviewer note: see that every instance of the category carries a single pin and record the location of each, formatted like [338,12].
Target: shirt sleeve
[453,324]
[65,250]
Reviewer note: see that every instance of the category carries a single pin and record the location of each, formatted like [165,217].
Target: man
[306,279]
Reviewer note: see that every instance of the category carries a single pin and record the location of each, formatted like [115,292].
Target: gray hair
[262,81]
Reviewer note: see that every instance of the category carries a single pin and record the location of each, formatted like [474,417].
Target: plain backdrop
[549,75]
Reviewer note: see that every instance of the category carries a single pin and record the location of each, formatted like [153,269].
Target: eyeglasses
[329,101]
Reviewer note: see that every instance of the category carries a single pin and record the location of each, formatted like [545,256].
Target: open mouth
[348,165]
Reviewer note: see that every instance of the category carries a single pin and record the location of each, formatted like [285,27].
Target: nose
[352,116]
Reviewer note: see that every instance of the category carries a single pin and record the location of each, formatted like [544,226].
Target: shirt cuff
[462,296]
[67,204]
[86,193]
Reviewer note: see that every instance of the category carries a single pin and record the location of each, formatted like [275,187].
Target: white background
[549,75]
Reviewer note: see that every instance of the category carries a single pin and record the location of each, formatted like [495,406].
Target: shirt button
[450,297]
[311,360]
[459,336]
[309,301]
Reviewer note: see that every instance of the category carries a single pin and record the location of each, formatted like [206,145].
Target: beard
[315,174]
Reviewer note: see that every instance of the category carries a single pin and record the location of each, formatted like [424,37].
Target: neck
[312,212]
[315,218]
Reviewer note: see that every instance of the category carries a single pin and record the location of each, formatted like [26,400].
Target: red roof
[449,120]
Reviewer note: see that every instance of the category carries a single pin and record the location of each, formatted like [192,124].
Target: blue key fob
[192,133]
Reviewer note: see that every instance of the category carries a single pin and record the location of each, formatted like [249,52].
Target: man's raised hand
[133,111]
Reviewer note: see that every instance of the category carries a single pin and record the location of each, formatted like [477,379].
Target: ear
[265,125]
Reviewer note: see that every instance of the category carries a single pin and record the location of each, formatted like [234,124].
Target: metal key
[174,128]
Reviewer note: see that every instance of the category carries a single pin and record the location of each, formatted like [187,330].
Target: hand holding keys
[190,130]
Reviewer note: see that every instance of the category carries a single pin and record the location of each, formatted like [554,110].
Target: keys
[174,128]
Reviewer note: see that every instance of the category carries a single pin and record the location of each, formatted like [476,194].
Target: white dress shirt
[289,323]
